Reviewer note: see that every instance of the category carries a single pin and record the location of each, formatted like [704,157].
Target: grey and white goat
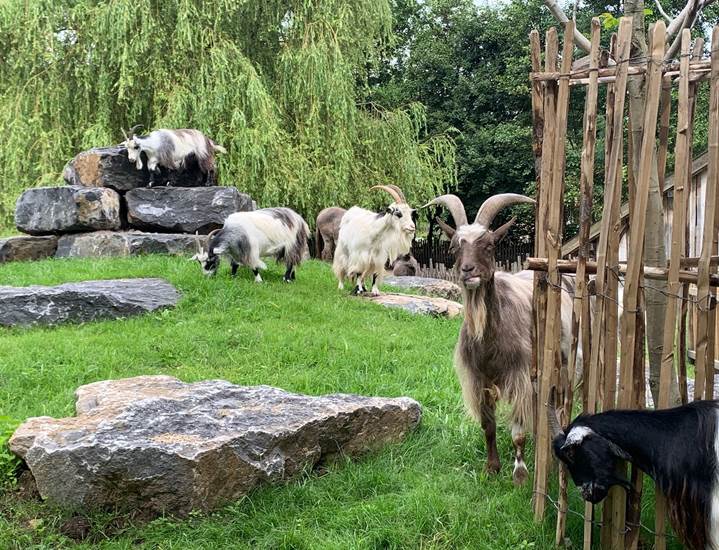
[327,231]
[494,351]
[172,149]
[368,240]
[247,237]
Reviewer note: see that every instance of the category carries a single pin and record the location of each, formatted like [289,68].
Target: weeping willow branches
[279,83]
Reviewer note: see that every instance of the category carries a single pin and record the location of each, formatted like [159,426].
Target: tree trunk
[654,248]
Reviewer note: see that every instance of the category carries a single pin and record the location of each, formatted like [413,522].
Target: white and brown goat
[368,240]
[172,149]
[493,354]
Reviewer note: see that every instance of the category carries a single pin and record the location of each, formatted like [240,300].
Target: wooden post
[632,355]
[540,290]
[537,146]
[704,367]
[581,299]
[552,345]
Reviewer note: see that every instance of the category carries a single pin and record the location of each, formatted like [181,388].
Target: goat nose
[467,267]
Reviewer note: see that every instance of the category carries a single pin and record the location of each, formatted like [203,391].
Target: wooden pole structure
[681,171]
[632,355]
[537,147]
[683,388]
[581,298]
[705,306]
[552,346]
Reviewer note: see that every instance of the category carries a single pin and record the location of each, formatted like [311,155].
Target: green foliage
[282,85]
[9,463]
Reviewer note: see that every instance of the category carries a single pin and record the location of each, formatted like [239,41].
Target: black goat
[678,448]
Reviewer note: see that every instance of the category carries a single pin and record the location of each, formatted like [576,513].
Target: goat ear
[618,451]
[445,228]
[501,231]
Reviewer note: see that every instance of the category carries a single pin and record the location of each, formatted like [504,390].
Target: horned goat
[368,240]
[246,237]
[494,351]
[172,149]
[678,448]
[327,231]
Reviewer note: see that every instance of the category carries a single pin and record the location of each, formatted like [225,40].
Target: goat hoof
[520,474]
[493,467]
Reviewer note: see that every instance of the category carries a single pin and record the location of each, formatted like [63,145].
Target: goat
[327,231]
[405,266]
[246,237]
[494,351]
[678,448]
[172,149]
[368,240]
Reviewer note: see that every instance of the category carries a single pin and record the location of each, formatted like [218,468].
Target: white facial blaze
[470,233]
[577,434]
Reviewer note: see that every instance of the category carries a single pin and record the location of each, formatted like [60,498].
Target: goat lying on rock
[173,149]
[368,240]
[494,351]
[248,236]
[678,448]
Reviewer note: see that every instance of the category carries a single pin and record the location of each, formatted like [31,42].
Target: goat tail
[217,148]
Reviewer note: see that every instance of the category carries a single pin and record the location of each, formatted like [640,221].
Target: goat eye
[398,214]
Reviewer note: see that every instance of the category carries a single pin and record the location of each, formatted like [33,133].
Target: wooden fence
[615,368]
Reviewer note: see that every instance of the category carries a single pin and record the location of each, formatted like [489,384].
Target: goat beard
[475,310]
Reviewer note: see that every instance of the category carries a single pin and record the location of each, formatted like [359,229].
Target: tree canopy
[283,85]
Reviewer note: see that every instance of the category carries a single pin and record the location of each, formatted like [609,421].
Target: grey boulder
[427,286]
[85,301]
[52,210]
[183,210]
[419,305]
[110,167]
[159,444]
[23,248]
[126,243]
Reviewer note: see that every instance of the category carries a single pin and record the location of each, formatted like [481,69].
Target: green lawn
[430,492]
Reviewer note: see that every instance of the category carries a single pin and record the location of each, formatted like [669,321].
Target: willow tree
[280,83]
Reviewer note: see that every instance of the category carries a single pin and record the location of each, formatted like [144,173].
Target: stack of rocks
[107,209]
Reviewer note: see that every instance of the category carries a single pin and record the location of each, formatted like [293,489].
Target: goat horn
[197,242]
[491,207]
[124,133]
[454,204]
[552,419]
[392,190]
[135,128]
[399,192]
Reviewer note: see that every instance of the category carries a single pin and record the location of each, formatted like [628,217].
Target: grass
[429,492]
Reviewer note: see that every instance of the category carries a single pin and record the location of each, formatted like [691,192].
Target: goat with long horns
[368,240]
[493,354]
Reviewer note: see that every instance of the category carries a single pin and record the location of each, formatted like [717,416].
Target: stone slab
[24,248]
[84,301]
[426,285]
[419,305]
[183,210]
[159,444]
[126,243]
[56,210]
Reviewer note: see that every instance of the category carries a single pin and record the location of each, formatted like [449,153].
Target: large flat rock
[85,301]
[22,248]
[427,286]
[156,443]
[54,210]
[419,305]
[110,167]
[183,210]
[126,243]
